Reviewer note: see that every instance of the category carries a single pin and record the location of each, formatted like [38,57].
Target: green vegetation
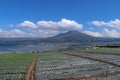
[100,50]
[56,65]
[52,65]
[14,66]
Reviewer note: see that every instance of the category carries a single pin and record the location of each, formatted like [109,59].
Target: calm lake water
[14,46]
[28,48]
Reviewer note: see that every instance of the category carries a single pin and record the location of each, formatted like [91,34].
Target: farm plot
[56,65]
[111,59]
[98,50]
[14,66]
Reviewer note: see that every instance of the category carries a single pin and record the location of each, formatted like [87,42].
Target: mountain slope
[71,36]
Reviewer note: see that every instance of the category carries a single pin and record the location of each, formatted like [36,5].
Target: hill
[71,36]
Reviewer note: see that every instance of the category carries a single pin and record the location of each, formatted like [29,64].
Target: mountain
[71,36]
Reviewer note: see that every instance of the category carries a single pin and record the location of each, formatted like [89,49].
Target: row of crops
[56,65]
[100,50]
[114,77]
[113,59]
[14,66]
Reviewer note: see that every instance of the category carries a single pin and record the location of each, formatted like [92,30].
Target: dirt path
[30,73]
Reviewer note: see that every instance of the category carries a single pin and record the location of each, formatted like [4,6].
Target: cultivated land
[14,66]
[59,65]
[97,50]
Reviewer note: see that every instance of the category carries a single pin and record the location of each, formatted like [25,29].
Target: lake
[28,48]
[9,46]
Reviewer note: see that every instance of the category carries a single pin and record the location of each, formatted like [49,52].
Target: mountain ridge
[71,36]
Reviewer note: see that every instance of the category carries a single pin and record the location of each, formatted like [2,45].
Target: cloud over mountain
[112,23]
[41,28]
[50,28]
[111,33]
[95,34]
[28,24]
[105,33]
[64,25]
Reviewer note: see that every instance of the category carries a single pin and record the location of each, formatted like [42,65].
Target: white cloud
[113,23]
[14,33]
[63,25]
[48,28]
[28,24]
[98,23]
[49,33]
[18,33]
[46,33]
[95,34]
[105,33]
[110,33]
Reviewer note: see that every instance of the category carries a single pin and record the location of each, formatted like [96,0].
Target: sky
[46,18]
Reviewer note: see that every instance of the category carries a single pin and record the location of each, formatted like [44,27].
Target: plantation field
[14,66]
[55,65]
[101,50]
[59,66]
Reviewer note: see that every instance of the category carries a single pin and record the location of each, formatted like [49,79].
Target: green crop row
[14,64]
[100,50]
[56,65]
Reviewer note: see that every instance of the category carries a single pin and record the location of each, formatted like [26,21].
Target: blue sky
[44,18]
